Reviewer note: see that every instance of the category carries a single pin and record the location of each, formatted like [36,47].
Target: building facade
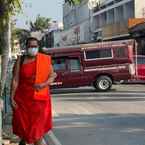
[77,26]
[48,39]
[107,21]
[111,17]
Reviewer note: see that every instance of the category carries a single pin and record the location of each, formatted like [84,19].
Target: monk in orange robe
[30,95]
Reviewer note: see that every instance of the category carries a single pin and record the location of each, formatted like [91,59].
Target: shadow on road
[73,90]
[119,89]
[102,99]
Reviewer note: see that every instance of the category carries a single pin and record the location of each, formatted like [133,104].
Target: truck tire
[103,83]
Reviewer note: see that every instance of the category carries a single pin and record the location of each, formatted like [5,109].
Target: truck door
[74,75]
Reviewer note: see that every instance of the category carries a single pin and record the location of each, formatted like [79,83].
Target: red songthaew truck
[97,64]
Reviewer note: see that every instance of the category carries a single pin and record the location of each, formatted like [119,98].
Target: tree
[40,24]
[73,2]
[21,35]
[7,9]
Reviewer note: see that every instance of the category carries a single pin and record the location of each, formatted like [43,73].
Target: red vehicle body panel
[77,69]
[140,67]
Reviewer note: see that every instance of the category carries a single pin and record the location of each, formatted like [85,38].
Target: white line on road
[81,118]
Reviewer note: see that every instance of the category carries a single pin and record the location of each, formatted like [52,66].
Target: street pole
[4,65]
[0,109]
[9,38]
[1,106]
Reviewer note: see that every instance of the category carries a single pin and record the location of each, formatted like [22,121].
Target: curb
[51,139]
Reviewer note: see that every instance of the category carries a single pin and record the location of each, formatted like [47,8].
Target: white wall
[75,15]
[69,37]
[64,38]
[139,8]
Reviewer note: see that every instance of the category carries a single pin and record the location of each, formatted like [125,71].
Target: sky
[47,8]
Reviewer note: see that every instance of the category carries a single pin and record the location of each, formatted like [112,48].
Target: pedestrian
[30,95]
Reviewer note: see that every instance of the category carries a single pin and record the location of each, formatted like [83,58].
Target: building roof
[90,45]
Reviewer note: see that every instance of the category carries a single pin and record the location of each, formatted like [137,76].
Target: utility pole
[6,54]
[0,101]
[9,38]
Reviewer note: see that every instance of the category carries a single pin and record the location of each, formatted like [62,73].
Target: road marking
[82,118]
[71,119]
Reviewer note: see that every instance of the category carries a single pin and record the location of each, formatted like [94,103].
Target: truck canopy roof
[81,47]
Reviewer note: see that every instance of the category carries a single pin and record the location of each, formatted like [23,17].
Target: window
[110,4]
[103,19]
[59,64]
[120,52]
[141,60]
[111,16]
[119,13]
[74,65]
[117,1]
[97,54]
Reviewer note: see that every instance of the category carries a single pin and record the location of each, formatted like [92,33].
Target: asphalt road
[85,117]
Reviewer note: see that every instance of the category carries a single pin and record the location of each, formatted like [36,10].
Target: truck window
[59,64]
[74,65]
[120,52]
[141,60]
[98,54]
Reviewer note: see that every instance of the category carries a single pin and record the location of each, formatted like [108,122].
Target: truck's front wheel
[103,83]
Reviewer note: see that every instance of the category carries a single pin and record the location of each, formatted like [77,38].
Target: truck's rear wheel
[103,83]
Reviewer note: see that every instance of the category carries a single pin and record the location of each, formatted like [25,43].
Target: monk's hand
[38,87]
[14,104]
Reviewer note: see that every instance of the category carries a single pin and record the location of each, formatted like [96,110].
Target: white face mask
[32,51]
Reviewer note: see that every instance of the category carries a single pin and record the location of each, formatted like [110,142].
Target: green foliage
[21,35]
[40,23]
[7,9]
[73,2]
